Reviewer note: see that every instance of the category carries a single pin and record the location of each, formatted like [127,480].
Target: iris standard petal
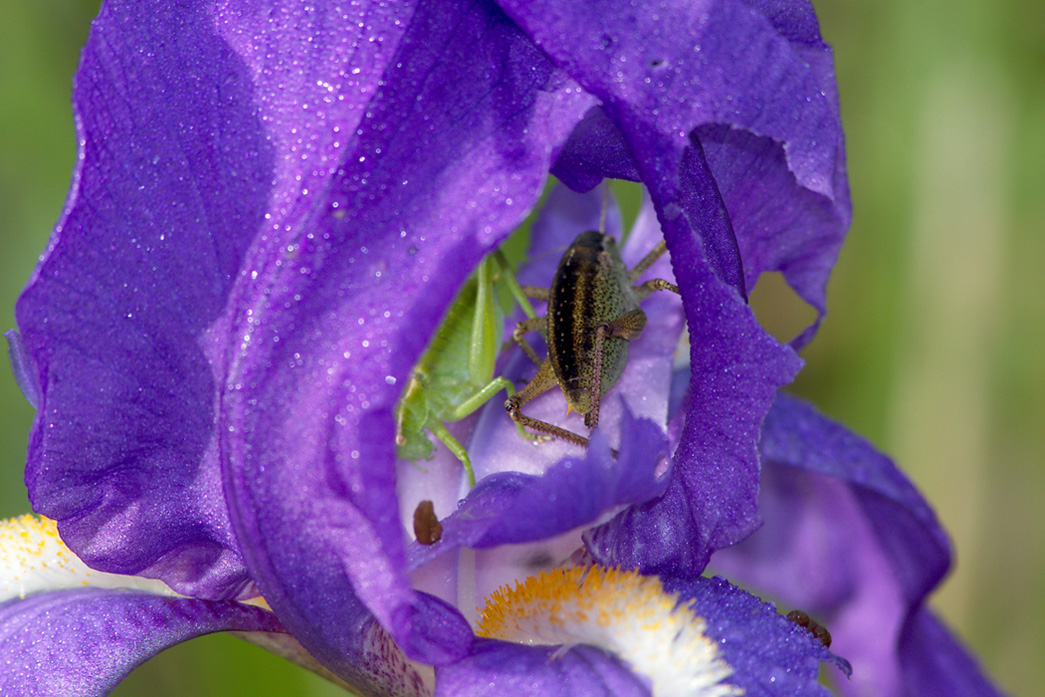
[711,498]
[755,80]
[450,155]
[81,643]
[638,64]
[171,185]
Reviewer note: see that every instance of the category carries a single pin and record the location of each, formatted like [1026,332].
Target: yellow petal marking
[622,612]
[34,559]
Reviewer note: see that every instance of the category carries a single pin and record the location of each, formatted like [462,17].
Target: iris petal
[768,655]
[849,539]
[170,187]
[452,152]
[755,80]
[511,508]
[83,642]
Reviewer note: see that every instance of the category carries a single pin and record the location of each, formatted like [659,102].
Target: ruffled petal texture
[172,183]
[659,76]
[451,153]
[848,539]
[81,643]
[756,81]
[274,205]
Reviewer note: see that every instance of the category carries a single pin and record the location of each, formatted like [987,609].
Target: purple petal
[22,366]
[501,669]
[848,539]
[933,662]
[171,185]
[596,150]
[736,367]
[711,498]
[779,224]
[83,642]
[906,529]
[510,508]
[757,77]
[647,61]
[769,655]
[451,154]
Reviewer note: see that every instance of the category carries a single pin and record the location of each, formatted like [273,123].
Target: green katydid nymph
[455,375]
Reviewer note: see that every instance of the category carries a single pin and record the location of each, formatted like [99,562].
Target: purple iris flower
[274,205]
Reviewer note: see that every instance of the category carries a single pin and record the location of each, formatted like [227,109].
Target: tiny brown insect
[802,619]
[427,528]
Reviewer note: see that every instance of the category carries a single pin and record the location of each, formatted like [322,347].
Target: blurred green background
[933,347]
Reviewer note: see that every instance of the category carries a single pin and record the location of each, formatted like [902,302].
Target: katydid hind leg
[528,325]
[453,445]
[628,327]
[536,292]
[543,381]
[602,332]
[481,397]
[648,260]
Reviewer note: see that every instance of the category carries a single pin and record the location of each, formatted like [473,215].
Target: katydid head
[596,241]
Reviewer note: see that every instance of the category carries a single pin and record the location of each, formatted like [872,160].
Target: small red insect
[802,619]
